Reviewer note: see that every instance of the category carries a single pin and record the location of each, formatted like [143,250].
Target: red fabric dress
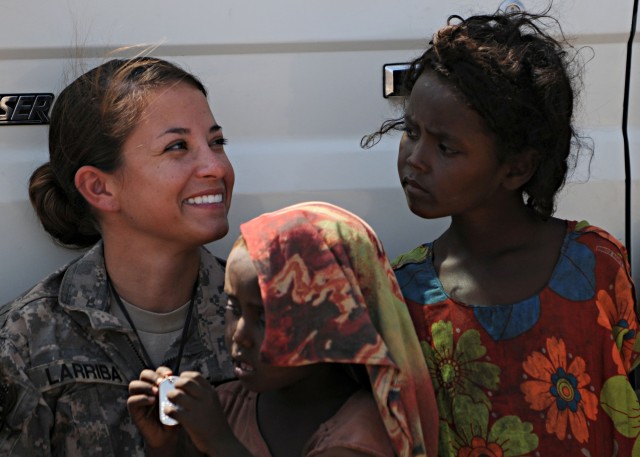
[543,377]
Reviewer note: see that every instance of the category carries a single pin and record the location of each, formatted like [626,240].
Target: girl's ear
[96,187]
[521,168]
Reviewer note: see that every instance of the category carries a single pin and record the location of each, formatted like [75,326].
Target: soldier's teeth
[204,199]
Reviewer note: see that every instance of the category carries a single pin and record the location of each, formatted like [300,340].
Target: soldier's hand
[143,408]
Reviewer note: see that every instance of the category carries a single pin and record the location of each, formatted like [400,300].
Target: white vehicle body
[296,84]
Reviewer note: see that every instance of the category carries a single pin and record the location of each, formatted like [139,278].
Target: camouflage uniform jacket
[66,362]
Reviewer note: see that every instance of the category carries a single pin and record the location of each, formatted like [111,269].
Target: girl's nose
[241,336]
[417,157]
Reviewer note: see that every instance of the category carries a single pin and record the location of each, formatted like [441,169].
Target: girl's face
[176,181]
[245,329]
[447,161]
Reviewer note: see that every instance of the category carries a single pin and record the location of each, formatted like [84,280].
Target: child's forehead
[238,254]
[240,271]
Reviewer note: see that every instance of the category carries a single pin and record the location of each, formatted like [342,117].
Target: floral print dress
[543,377]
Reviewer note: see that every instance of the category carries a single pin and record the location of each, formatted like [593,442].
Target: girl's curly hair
[520,80]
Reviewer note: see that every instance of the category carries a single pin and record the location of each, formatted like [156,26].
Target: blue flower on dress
[504,322]
[574,277]
[564,386]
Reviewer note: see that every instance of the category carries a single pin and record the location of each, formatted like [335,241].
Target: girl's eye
[233,308]
[262,320]
[409,131]
[447,151]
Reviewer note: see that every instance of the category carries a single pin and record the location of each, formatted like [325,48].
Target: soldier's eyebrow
[185,131]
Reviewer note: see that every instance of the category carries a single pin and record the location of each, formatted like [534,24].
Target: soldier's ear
[97,188]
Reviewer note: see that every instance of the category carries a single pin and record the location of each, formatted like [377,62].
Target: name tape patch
[25,108]
[63,372]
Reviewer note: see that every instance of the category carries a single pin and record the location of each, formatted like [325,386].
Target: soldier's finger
[149,376]
[140,401]
[142,387]
[163,372]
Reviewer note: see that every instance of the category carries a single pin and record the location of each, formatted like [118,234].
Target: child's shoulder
[597,239]
[357,426]
[591,254]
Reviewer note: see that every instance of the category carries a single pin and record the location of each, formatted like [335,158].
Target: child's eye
[409,131]
[446,150]
[233,308]
[262,320]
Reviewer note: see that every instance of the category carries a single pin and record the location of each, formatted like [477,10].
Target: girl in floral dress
[527,322]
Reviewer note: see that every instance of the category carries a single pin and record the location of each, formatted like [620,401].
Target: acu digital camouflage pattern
[330,295]
[66,362]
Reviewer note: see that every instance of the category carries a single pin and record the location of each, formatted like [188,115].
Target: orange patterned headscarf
[330,295]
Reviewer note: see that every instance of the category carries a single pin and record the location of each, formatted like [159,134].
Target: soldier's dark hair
[90,121]
[522,82]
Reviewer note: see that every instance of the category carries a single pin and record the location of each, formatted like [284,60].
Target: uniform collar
[85,289]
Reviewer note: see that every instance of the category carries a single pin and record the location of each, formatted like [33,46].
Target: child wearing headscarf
[324,350]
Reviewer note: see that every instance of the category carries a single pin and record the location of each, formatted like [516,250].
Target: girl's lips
[243,369]
[411,183]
